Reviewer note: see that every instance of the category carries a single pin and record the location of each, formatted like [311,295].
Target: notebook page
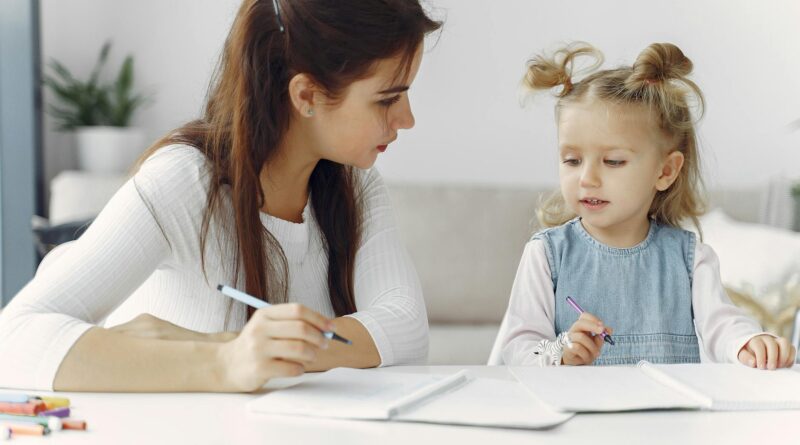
[600,389]
[487,402]
[737,387]
[345,393]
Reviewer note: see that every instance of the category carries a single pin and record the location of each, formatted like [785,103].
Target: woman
[265,192]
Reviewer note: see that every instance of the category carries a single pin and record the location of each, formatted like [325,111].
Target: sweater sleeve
[388,294]
[723,327]
[531,310]
[87,279]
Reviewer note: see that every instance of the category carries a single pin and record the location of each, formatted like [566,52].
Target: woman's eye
[571,161]
[613,163]
[390,101]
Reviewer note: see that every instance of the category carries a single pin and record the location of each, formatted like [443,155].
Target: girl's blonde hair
[657,80]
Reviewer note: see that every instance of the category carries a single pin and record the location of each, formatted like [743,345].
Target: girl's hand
[278,341]
[767,352]
[586,341]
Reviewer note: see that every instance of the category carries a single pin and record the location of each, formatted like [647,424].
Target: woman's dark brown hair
[248,112]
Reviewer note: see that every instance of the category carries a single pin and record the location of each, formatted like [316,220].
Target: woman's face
[360,126]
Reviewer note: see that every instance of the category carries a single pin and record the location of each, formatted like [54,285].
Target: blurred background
[467,178]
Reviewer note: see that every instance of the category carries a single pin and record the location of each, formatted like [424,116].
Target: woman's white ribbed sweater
[142,255]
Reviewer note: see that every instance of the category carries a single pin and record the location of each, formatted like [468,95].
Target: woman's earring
[310,112]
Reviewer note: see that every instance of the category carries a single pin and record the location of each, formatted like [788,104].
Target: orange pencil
[28,430]
[73,424]
[28,409]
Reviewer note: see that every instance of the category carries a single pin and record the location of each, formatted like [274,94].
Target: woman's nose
[404,119]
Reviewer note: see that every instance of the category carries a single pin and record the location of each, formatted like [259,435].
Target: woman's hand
[278,341]
[767,352]
[150,326]
[586,340]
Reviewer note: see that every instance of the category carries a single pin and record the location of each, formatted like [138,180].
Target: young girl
[263,193]
[629,177]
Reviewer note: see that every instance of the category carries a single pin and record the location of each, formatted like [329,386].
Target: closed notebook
[371,394]
[718,387]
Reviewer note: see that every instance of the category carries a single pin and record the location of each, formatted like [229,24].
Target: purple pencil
[606,337]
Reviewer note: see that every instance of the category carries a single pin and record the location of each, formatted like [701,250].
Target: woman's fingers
[296,330]
[296,351]
[295,311]
[283,368]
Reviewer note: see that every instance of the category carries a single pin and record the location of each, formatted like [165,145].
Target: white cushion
[755,259]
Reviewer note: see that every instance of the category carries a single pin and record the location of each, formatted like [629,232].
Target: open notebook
[718,387]
[370,394]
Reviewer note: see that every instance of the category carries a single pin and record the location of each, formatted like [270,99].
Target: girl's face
[367,118]
[613,161]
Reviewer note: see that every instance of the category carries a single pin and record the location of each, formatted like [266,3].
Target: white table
[223,419]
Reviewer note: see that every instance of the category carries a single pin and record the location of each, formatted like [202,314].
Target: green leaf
[101,61]
[91,102]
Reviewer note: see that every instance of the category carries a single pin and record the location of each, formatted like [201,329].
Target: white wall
[470,126]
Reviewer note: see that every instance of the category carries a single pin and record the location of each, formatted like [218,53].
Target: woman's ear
[670,168]
[303,92]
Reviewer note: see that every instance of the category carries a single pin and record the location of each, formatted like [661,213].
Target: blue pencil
[258,304]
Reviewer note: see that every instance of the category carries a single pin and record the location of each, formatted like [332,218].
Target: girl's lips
[594,204]
[382,148]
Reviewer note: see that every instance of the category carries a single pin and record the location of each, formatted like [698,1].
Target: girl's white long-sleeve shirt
[722,328]
[142,255]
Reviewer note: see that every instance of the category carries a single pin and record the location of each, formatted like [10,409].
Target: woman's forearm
[361,354]
[105,360]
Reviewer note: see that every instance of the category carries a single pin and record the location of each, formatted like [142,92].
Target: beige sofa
[466,242]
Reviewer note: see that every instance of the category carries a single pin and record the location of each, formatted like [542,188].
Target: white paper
[600,389]
[737,387]
[345,393]
[487,402]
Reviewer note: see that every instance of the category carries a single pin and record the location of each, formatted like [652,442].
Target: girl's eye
[613,163]
[571,161]
[390,101]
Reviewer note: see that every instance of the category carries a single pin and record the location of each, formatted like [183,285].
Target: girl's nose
[589,177]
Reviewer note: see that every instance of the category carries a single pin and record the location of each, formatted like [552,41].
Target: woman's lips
[382,148]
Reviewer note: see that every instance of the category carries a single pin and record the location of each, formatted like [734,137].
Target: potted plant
[99,114]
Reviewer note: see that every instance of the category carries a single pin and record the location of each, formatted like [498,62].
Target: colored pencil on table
[28,408]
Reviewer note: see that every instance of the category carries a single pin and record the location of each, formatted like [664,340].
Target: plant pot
[108,149]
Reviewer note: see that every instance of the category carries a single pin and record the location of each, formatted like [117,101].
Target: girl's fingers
[295,330]
[590,318]
[585,341]
[747,358]
[295,311]
[771,347]
[792,357]
[586,326]
[756,346]
[578,355]
[786,350]
[598,341]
